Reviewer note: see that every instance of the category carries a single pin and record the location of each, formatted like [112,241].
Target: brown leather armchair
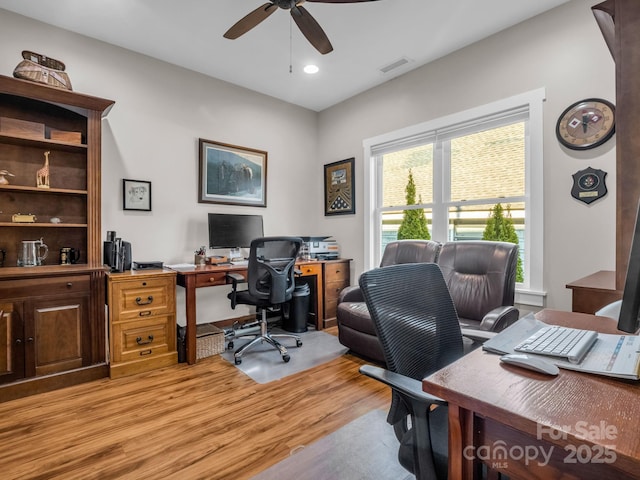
[355,328]
[480,275]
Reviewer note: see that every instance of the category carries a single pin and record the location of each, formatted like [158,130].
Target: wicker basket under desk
[209,340]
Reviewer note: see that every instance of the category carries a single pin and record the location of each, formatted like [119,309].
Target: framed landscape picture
[339,188]
[231,174]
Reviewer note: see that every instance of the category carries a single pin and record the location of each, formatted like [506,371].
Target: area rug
[364,449]
[264,364]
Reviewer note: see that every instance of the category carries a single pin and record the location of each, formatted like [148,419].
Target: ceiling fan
[306,23]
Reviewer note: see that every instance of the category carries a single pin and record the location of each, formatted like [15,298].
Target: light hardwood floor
[204,421]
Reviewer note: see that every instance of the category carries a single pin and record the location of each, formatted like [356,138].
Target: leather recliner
[480,276]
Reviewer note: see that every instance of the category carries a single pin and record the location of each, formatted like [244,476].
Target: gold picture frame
[231,174]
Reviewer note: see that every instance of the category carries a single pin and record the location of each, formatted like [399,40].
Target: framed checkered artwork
[339,188]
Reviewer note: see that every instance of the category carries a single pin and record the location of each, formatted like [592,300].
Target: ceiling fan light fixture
[311,69]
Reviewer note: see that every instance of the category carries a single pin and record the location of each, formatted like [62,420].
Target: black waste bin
[296,321]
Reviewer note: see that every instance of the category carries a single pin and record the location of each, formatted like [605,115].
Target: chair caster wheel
[298,343]
[237,361]
[230,346]
[286,358]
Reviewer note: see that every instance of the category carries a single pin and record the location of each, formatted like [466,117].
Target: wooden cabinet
[142,321]
[50,143]
[336,276]
[47,331]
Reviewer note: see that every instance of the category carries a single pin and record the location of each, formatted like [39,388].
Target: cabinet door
[55,334]
[11,343]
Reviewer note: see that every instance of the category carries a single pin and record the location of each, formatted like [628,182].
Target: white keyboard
[242,263]
[569,343]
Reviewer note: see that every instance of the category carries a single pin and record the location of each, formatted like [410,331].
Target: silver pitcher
[32,253]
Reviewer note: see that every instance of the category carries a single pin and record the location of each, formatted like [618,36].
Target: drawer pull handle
[146,352]
[139,340]
[145,313]
[147,302]
[69,284]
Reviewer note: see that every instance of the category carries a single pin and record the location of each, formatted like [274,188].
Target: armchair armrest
[405,385]
[351,293]
[499,318]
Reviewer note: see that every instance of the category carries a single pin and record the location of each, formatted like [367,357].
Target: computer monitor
[628,320]
[233,231]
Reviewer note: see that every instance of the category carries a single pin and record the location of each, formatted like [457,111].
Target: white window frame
[531,293]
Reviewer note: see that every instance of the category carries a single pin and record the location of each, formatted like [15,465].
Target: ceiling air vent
[397,64]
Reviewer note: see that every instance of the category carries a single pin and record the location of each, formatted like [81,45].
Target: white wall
[161,111]
[562,51]
[152,134]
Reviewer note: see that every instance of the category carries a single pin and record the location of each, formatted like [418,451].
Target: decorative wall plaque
[588,185]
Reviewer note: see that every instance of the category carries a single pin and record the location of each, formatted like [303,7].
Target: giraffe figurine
[42,176]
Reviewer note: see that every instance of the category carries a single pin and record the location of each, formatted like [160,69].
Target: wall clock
[586,124]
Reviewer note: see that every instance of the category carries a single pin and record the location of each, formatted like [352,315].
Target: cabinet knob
[18,341]
[69,284]
[144,284]
[149,299]
[30,339]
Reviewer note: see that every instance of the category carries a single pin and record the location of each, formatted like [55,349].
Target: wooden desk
[591,293]
[589,423]
[211,276]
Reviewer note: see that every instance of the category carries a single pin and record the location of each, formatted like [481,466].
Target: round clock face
[586,124]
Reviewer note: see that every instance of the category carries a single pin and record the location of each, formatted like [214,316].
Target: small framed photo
[339,188]
[136,195]
[232,174]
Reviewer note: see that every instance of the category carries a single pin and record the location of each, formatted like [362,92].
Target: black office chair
[271,282]
[418,328]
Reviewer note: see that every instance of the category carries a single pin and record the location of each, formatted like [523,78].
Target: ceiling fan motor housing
[285,4]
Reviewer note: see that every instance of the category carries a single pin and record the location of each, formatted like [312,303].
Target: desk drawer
[208,279]
[336,272]
[142,339]
[143,298]
[310,268]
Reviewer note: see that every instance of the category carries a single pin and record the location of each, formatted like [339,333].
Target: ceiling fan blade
[251,20]
[311,29]
[340,1]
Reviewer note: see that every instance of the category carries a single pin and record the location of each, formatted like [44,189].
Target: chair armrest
[478,336]
[405,385]
[351,293]
[235,278]
[499,318]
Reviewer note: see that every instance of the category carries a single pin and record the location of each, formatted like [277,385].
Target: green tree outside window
[414,222]
[500,228]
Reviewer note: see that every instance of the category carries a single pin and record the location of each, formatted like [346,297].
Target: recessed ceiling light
[311,69]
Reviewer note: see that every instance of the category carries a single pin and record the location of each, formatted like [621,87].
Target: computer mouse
[531,362]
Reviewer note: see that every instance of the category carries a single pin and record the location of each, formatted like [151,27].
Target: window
[462,166]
